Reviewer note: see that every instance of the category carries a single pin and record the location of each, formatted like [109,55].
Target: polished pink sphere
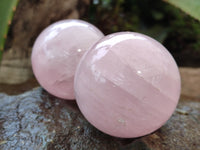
[127,85]
[57,52]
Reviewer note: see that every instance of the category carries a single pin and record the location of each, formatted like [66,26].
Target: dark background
[178,32]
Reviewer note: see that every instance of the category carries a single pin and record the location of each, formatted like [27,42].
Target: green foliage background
[157,19]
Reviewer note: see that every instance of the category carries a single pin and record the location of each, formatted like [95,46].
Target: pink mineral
[127,85]
[57,52]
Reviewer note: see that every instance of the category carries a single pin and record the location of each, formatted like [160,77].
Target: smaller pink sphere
[127,85]
[57,51]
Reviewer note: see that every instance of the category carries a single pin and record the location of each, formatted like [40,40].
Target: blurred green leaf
[191,7]
[7,8]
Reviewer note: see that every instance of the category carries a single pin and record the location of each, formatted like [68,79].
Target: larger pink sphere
[57,52]
[127,85]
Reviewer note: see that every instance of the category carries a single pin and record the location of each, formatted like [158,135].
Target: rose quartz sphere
[127,85]
[57,52]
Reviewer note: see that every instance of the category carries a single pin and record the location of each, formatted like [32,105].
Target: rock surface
[190,80]
[37,120]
